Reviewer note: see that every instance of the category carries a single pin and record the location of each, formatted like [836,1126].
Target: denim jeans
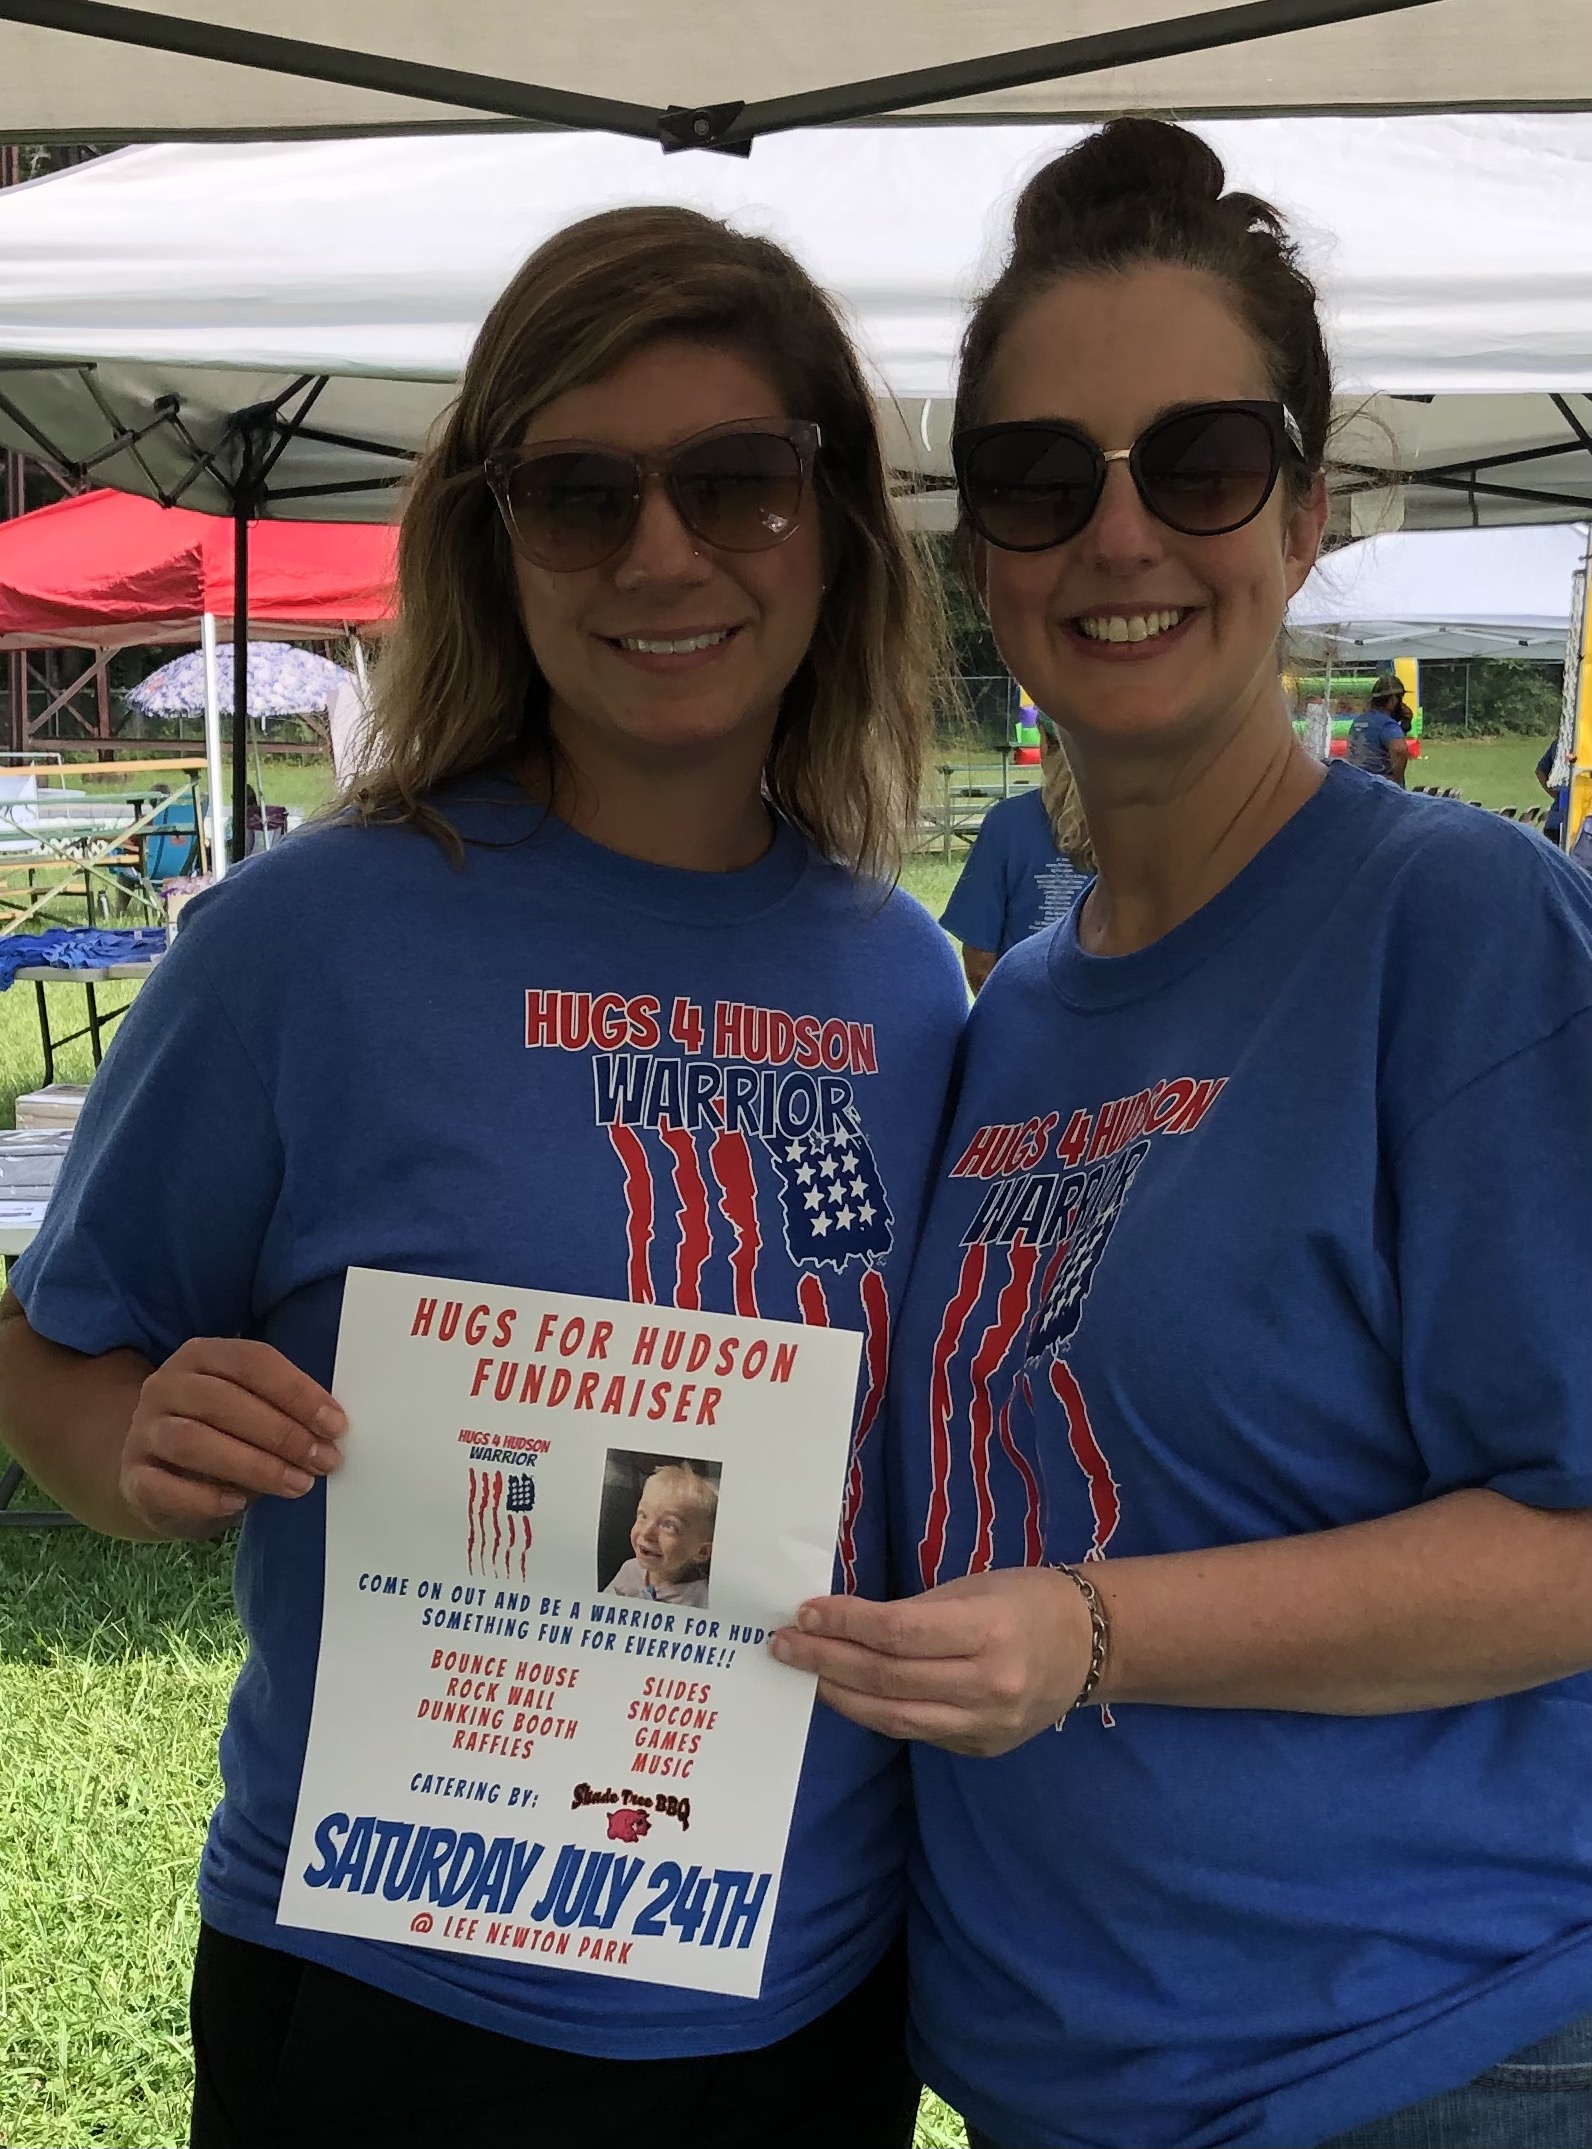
[1538,2098]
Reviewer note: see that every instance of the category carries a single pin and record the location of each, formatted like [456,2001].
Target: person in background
[1379,736]
[1029,862]
[1558,796]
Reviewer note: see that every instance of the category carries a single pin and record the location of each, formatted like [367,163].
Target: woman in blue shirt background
[1029,863]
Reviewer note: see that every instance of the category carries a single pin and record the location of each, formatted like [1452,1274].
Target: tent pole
[241,504]
[213,760]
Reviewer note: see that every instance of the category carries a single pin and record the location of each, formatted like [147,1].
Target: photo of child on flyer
[655,1531]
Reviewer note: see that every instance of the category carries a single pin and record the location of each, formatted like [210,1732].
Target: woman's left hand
[977,1665]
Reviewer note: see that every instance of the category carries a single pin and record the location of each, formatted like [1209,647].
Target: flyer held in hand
[546,1721]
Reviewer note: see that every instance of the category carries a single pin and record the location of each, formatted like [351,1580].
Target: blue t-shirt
[554,1068]
[1370,736]
[1276,1225]
[1014,881]
[1553,824]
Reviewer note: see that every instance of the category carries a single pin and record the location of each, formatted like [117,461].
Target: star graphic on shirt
[820,1226]
[865,1212]
[813,1198]
[804,1174]
[793,1151]
[844,1219]
[849,1161]
[858,1188]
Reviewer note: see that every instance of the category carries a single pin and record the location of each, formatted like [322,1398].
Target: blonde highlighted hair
[458,688]
[1059,789]
[690,1491]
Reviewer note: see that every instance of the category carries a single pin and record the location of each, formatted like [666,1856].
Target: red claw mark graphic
[1033,1533]
[1010,1310]
[731,1161]
[638,1213]
[1105,1499]
[696,1233]
[931,1549]
[876,1355]
[810,1298]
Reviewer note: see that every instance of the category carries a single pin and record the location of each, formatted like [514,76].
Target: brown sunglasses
[572,504]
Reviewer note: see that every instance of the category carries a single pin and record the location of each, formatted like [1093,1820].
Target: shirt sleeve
[1388,730]
[1495,1251]
[154,1230]
[976,913]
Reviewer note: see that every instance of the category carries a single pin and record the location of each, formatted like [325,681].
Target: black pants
[290,2056]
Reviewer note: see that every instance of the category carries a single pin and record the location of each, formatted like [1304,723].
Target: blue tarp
[79,948]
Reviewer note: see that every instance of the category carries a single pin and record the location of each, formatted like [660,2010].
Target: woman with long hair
[642,749]
[1241,1398]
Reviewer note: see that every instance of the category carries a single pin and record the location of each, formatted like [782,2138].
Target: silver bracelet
[1099,1638]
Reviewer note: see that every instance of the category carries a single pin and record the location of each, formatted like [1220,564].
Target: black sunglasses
[1203,471]
[570,504]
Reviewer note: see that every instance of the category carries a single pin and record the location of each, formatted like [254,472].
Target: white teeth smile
[1129,626]
[651,647]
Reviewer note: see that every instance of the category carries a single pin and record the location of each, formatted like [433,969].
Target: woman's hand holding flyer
[224,1420]
[977,1666]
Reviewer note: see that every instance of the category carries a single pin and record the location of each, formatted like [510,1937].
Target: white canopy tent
[161,306]
[1442,594]
[272,329]
[725,75]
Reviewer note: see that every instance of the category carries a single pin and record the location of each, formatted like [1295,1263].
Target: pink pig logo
[627,1824]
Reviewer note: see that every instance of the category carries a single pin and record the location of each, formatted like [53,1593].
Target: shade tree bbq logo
[739,1135]
[1031,1253]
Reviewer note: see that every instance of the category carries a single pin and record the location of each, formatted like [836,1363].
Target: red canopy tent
[107,569]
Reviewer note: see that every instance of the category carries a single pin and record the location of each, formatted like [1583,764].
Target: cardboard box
[40,1110]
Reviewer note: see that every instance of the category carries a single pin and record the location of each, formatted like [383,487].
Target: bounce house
[1349,693]
[1025,733]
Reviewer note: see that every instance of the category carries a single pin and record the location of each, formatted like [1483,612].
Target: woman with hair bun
[1241,1441]
[652,724]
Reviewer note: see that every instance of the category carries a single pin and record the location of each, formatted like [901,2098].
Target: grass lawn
[115,1661]
[1493,772]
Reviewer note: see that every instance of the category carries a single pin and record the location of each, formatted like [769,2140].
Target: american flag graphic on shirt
[833,1200]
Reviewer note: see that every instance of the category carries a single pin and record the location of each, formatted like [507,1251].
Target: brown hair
[1142,191]
[458,687]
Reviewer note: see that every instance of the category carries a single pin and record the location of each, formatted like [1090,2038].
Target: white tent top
[78,70]
[1443,593]
[1448,250]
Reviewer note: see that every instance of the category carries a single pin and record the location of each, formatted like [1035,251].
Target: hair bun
[1128,167]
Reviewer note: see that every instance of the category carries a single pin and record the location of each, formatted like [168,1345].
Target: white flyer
[546,1725]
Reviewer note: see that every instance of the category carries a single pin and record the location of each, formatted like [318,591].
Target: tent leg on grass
[240,672]
[218,819]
